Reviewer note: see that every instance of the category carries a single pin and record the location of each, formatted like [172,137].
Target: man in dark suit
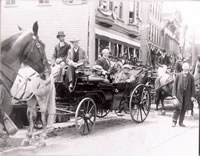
[184,91]
[61,49]
[104,61]
[59,56]
[76,57]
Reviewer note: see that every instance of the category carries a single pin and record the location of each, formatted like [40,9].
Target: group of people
[185,88]
[75,56]
[123,71]
[70,57]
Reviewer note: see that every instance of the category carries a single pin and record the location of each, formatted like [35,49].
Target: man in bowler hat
[60,55]
[61,49]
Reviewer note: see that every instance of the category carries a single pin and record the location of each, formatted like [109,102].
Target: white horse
[38,93]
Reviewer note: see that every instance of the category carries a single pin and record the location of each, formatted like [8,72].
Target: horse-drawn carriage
[95,98]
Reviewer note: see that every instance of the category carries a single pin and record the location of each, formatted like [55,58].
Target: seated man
[59,56]
[125,75]
[76,57]
[104,61]
[97,74]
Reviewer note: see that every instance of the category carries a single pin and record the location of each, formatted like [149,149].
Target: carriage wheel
[139,104]
[102,112]
[85,116]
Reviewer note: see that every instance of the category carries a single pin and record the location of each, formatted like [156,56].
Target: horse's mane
[8,43]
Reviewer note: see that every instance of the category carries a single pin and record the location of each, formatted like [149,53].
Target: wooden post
[91,31]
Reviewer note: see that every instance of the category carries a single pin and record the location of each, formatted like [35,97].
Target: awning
[116,37]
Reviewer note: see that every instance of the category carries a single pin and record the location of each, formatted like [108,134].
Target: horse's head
[34,53]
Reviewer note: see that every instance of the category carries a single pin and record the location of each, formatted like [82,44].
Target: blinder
[35,42]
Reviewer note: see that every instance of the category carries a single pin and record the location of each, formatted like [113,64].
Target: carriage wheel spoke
[84,128]
[141,114]
[87,125]
[137,113]
[88,104]
[81,124]
[144,111]
[91,121]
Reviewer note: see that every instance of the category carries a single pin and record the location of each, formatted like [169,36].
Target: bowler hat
[60,33]
[74,39]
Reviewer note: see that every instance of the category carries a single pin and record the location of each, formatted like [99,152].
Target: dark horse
[23,47]
[163,90]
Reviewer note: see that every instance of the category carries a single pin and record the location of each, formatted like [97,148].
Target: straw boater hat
[97,68]
[127,66]
[74,39]
[60,33]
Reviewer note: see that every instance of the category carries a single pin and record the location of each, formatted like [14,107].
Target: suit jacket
[61,52]
[190,90]
[164,60]
[82,56]
[104,63]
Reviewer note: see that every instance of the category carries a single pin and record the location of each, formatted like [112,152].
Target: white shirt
[76,49]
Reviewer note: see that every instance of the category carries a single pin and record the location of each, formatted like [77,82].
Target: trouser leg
[70,74]
[182,116]
[175,115]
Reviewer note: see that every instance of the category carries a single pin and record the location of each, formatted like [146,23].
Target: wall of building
[53,17]
[151,26]
[115,31]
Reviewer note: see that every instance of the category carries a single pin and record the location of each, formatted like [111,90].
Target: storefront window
[10,2]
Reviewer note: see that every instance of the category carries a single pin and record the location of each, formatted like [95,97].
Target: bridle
[35,42]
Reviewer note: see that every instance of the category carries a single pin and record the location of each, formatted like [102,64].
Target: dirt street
[115,135]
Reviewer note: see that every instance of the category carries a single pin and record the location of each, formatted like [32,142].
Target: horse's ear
[20,28]
[35,28]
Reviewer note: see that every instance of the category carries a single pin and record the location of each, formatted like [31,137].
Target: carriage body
[95,98]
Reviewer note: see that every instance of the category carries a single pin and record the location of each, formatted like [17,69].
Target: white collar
[76,49]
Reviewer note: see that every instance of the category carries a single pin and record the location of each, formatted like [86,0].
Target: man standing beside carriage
[184,91]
